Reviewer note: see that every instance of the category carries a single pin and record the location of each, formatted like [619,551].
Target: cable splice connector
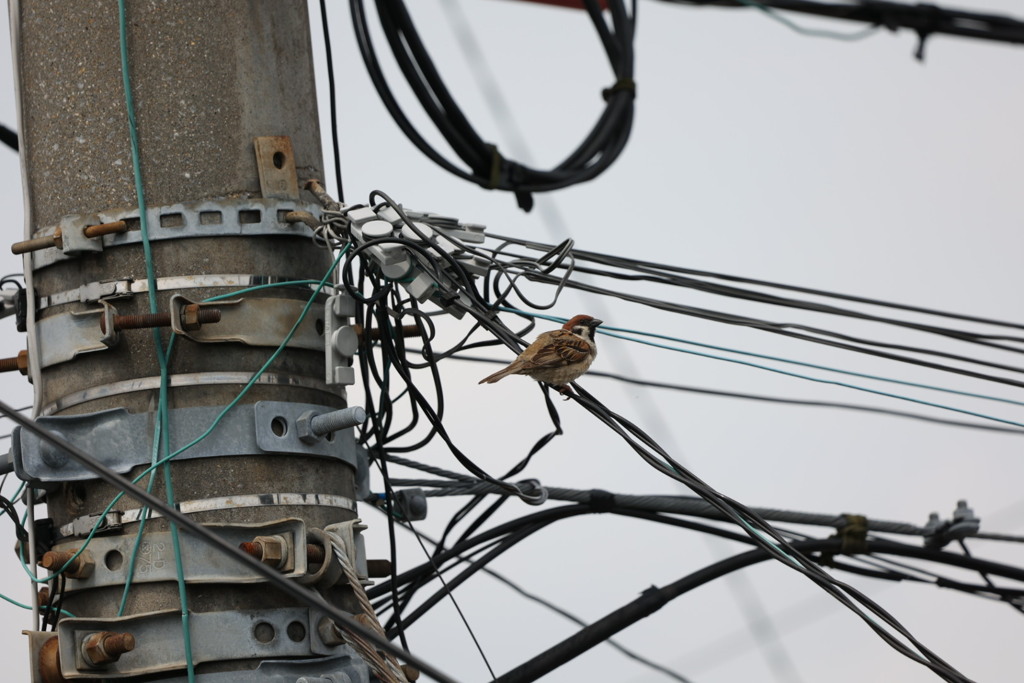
[939,532]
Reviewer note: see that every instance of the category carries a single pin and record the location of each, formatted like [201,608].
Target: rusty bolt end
[377,569]
[49,662]
[411,672]
[250,548]
[105,647]
[54,559]
[80,568]
[194,316]
[22,362]
[105,229]
[315,553]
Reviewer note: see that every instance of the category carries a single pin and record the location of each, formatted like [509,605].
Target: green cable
[812,32]
[166,447]
[96,527]
[797,375]
[24,606]
[152,292]
[144,516]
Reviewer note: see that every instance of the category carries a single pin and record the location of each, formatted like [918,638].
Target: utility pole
[225,104]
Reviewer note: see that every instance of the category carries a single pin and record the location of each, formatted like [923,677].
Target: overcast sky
[845,166]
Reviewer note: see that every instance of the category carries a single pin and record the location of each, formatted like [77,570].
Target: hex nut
[190,317]
[104,647]
[275,550]
[80,568]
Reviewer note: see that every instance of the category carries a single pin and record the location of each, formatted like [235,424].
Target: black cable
[9,137]
[769,399]
[654,599]
[606,259]
[766,536]
[390,512]
[560,611]
[7,507]
[334,99]
[784,329]
[487,167]
[272,575]
[923,18]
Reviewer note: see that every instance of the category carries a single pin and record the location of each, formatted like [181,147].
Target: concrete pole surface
[208,76]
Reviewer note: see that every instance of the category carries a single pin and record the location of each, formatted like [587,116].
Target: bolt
[44,595]
[143,320]
[34,244]
[315,553]
[19,363]
[57,238]
[411,673]
[337,420]
[329,632]
[250,548]
[271,550]
[377,569]
[79,568]
[403,331]
[105,647]
[105,229]
[49,662]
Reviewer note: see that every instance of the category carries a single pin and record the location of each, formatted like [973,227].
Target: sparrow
[556,357]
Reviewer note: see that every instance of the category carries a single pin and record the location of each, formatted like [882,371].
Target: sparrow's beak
[595,322]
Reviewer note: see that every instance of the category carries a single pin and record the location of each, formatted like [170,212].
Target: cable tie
[623,84]
[497,163]
[853,534]
[601,500]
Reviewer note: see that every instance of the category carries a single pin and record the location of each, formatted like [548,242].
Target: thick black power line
[9,137]
[290,588]
[329,58]
[922,18]
[653,599]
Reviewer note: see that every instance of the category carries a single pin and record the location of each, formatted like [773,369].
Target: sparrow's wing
[561,348]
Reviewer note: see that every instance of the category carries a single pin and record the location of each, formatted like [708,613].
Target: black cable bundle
[487,167]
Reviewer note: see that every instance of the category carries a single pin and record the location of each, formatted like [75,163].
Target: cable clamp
[939,532]
[853,534]
[497,166]
[621,85]
[601,500]
[83,526]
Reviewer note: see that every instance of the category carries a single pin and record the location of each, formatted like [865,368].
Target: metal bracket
[340,340]
[81,527]
[211,218]
[415,272]
[345,668]
[263,427]
[216,636]
[72,234]
[93,292]
[351,534]
[255,322]
[275,161]
[156,556]
[183,312]
[61,338]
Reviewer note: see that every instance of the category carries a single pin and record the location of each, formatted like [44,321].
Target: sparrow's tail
[491,379]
